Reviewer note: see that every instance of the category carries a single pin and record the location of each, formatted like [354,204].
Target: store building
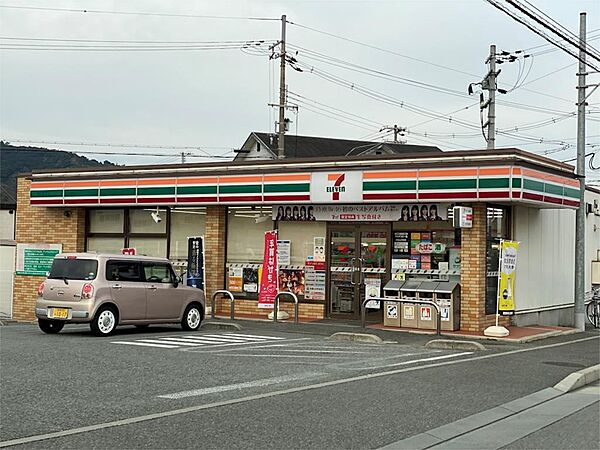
[346,224]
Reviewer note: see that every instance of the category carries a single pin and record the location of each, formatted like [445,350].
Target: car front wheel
[105,322]
[192,318]
[50,326]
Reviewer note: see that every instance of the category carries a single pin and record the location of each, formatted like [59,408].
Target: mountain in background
[15,160]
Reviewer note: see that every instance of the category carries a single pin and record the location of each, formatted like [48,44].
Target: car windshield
[74,269]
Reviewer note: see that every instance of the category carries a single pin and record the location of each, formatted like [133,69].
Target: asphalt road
[266,386]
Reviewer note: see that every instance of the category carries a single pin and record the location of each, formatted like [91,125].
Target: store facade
[345,227]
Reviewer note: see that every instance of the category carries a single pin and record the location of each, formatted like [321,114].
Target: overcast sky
[212,99]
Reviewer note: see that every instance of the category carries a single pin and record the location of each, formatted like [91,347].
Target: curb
[449,344]
[356,337]
[579,379]
[221,326]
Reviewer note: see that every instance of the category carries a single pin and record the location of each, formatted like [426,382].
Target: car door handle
[117,286]
[152,288]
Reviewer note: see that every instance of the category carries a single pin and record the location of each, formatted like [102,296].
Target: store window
[185,223]
[498,227]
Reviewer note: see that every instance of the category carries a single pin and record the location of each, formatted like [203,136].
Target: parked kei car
[108,290]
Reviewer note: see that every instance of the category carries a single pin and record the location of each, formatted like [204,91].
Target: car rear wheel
[105,322]
[192,318]
[50,326]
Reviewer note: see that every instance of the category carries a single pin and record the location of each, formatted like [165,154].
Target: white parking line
[237,344]
[254,336]
[239,386]
[145,344]
[404,363]
[170,341]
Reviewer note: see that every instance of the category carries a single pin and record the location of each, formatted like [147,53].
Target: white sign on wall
[336,187]
[283,252]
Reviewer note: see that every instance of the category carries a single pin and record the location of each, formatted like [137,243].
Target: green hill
[15,160]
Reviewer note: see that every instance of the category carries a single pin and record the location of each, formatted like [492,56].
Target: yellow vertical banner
[506,283]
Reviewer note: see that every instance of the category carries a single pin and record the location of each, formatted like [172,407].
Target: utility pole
[580,173]
[397,130]
[491,87]
[182,157]
[282,62]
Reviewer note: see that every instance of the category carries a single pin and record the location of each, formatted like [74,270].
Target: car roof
[94,255]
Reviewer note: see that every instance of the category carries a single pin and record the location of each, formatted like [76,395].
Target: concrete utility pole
[397,130]
[491,87]
[580,172]
[281,130]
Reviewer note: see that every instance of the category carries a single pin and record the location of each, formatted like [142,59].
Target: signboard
[128,251]
[372,289]
[234,279]
[425,312]
[336,187]
[283,252]
[360,213]
[319,249]
[506,282]
[195,267]
[463,217]
[408,312]
[36,259]
[392,311]
[430,247]
[314,280]
[268,279]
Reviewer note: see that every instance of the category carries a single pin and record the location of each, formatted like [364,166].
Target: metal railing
[231,303]
[363,309]
[276,305]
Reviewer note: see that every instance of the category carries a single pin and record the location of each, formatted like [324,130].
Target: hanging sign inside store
[506,283]
[195,267]
[268,280]
[283,252]
[36,259]
[319,248]
[336,187]
[430,247]
[462,217]
[360,213]
[372,289]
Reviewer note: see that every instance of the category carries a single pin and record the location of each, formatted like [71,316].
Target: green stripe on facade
[533,185]
[553,189]
[389,185]
[115,192]
[81,192]
[196,190]
[448,184]
[572,193]
[486,183]
[47,193]
[245,189]
[156,191]
[300,187]
[516,182]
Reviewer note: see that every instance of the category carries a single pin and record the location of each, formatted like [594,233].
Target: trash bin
[447,296]
[391,310]
[427,314]
[409,310]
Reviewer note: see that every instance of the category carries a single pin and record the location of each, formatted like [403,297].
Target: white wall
[7,224]
[546,263]
[7,268]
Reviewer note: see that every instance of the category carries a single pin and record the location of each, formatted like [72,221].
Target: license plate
[60,313]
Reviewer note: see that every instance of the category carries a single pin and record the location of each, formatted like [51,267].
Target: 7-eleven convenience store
[343,225]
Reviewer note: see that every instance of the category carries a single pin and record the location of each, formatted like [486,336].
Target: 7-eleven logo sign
[336,188]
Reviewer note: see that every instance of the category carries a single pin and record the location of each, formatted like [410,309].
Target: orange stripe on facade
[448,173]
[241,179]
[516,171]
[198,180]
[117,183]
[296,177]
[76,184]
[333,176]
[494,171]
[156,181]
[377,175]
[552,178]
[47,184]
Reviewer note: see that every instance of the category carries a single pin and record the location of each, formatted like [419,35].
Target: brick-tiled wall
[306,311]
[473,272]
[215,249]
[41,225]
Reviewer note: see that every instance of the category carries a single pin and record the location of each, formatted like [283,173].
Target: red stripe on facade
[530,196]
[241,198]
[196,199]
[124,200]
[46,202]
[147,200]
[81,201]
[287,198]
[446,195]
[500,194]
[557,201]
[516,195]
[571,202]
[395,196]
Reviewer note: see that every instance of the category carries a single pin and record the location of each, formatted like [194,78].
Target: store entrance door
[358,262]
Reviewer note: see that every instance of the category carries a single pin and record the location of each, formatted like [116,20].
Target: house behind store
[356,193]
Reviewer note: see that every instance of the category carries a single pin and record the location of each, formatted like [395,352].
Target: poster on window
[372,290]
[283,252]
[234,279]
[291,280]
[250,280]
[268,280]
[314,280]
[195,266]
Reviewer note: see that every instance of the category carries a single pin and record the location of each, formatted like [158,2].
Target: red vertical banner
[269,279]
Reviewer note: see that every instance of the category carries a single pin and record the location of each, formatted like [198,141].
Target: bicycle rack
[276,305]
[363,309]
[231,303]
